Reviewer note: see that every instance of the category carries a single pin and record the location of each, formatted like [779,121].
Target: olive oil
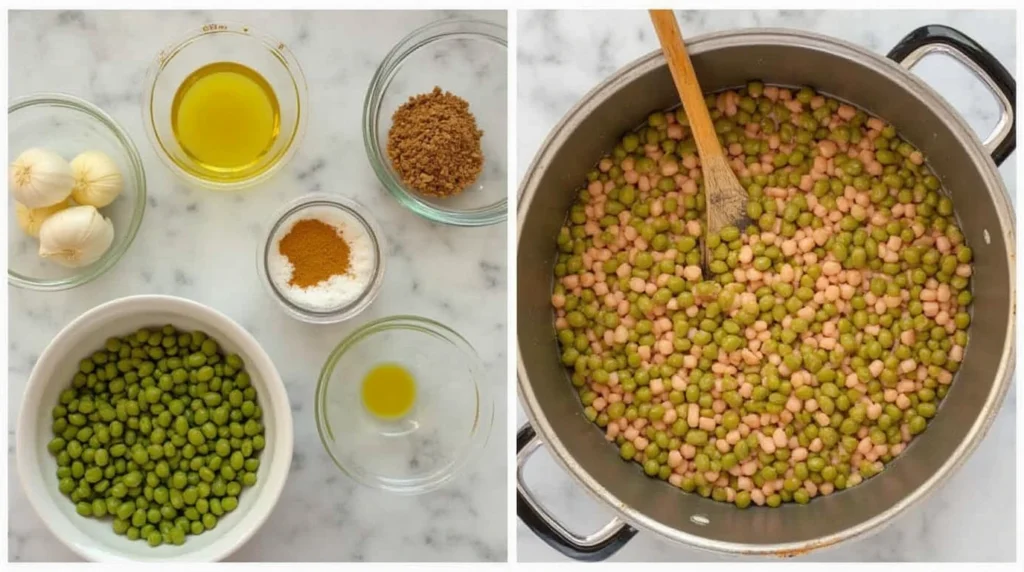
[389,391]
[226,118]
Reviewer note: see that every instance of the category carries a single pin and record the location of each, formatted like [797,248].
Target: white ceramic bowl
[94,539]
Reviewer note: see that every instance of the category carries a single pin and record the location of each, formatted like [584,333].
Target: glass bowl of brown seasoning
[323,258]
[435,122]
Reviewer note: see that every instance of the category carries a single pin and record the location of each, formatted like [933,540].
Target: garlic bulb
[75,237]
[30,220]
[98,181]
[40,178]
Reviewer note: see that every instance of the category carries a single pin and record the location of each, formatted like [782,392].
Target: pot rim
[972,146]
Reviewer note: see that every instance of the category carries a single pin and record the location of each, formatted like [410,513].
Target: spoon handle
[686,83]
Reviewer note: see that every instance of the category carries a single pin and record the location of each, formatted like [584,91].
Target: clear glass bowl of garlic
[46,134]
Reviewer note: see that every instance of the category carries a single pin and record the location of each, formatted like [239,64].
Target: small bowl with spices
[323,258]
[435,122]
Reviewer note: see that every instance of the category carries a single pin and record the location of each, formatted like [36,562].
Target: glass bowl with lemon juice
[401,405]
[226,106]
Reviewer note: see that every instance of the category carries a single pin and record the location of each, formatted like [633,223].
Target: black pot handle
[591,548]
[936,38]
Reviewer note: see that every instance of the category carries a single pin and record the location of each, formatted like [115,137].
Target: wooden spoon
[726,202]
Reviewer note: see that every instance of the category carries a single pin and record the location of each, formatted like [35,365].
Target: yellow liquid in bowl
[389,391]
[226,117]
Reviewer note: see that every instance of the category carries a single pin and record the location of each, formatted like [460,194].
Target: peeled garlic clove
[30,220]
[40,178]
[77,236]
[98,181]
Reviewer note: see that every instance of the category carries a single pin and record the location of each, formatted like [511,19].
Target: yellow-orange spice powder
[316,250]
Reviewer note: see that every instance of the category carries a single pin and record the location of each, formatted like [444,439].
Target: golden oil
[226,118]
[389,391]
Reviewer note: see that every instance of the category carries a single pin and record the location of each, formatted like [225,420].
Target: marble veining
[562,55]
[202,245]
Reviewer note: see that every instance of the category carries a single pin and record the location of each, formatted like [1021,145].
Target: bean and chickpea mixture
[826,333]
[159,430]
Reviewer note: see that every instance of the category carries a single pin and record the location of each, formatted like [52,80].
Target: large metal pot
[967,168]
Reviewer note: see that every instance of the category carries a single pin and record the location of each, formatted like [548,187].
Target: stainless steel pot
[967,168]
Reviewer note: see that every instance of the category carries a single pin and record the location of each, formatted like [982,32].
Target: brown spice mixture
[434,144]
[316,250]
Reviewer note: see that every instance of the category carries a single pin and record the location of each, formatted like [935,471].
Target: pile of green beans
[159,432]
[851,385]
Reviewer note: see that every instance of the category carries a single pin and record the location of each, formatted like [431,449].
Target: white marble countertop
[201,245]
[562,55]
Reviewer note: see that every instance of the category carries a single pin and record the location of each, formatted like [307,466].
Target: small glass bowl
[470,59]
[68,126]
[450,420]
[306,206]
[222,42]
